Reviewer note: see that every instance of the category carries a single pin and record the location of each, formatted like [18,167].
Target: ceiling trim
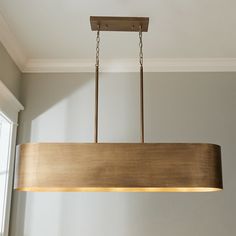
[13,48]
[131,65]
[9,41]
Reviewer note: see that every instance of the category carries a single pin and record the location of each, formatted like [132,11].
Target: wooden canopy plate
[129,24]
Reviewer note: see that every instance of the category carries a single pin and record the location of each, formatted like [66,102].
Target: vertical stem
[141,104]
[96,104]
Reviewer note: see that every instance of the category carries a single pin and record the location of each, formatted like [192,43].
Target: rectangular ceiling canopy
[108,23]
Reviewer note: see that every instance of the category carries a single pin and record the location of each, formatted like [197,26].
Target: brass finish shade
[115,167]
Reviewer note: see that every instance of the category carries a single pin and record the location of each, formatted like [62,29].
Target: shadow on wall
[60,108]
[40,92]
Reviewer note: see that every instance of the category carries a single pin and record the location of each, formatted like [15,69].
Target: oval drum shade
[125,167]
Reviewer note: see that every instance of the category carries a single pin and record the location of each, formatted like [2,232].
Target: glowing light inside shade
[84,189]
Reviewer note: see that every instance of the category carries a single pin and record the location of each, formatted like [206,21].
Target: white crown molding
[131,65]
[9,42]
[117,65]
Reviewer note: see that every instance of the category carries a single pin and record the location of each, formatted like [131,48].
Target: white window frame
[10,108]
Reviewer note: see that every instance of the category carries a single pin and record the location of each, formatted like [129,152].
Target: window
[9,108]
[5,154]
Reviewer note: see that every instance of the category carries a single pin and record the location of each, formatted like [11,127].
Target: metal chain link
[97,45]
[140,46]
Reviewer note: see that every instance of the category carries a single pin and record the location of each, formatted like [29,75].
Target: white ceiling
[59,30]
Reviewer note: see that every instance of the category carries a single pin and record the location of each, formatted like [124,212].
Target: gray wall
[9,72]
[179,107]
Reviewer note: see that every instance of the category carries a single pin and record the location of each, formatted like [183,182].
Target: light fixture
[124,167]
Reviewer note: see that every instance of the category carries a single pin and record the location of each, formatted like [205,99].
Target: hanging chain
[97,84]
[97,45]
[140,46]
[141,83]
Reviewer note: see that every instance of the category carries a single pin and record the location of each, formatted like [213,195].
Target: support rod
[141,104]
[96,104]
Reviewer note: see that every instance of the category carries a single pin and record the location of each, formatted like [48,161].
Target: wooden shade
[126,167]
